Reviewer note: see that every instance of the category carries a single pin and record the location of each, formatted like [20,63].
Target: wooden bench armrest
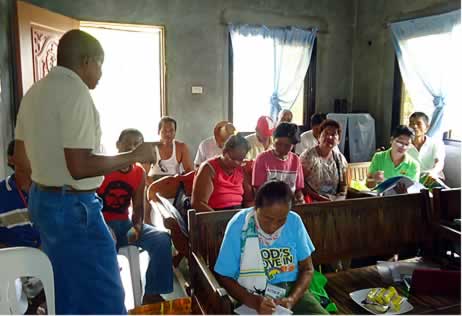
[208,275]
[209,290]
[447,232]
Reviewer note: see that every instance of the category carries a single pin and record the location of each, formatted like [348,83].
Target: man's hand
[146,152]
[287,302]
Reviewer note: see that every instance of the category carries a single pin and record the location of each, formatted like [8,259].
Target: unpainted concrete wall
[197,49]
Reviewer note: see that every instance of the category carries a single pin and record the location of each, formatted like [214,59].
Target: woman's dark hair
[317,118]
[402,130]
[127,131]
[289,130]
[331,123]
[236,141]
[272,192]
[166,119]
[420,115]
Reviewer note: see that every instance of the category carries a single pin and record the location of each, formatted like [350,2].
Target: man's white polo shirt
[56,113]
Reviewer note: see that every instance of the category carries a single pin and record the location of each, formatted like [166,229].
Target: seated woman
[394,161]
[221,182]
[324,168]
[120,189]
[429,152]
[272,242]
[172,155]
[279,163]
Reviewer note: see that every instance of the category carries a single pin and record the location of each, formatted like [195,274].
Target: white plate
[360,295]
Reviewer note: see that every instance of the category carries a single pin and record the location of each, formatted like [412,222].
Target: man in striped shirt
[15,226]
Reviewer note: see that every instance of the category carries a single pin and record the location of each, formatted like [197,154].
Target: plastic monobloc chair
[21,262]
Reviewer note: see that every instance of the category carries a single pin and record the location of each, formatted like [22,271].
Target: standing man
[57,134]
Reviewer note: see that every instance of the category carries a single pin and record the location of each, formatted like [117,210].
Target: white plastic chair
[126,279]
[132,253]
[20,262]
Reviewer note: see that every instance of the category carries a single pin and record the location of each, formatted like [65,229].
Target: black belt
[66,188]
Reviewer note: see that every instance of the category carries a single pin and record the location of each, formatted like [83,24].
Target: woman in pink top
[280,163]
[221,182]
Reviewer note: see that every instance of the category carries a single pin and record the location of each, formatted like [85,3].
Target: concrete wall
[197,49]
[373,54]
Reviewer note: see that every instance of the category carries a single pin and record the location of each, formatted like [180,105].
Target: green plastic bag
[317,289]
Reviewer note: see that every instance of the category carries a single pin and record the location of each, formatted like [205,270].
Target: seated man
[213,146]
[266,236]
[172,155]
[284,116]
[119,189]
[15,227]
[261,140]
[310,139]
[16,230]
[221,182]
[395,161]
[429,152]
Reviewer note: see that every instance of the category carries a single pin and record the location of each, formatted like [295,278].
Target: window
[252,72]
[130,93]
[417,97]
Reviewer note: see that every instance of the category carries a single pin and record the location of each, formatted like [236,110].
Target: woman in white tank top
[172,155]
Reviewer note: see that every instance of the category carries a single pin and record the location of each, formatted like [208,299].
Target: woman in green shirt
[394,161]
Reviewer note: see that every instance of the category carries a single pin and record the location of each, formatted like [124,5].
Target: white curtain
[269,67]
[428,52]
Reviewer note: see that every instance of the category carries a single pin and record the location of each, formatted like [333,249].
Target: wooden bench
[446,208]
[341,229]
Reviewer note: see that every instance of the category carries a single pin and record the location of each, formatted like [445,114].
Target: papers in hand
[388,186]
[245,310]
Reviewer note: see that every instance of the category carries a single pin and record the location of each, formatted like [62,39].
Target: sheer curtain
[428,52]
[269,67]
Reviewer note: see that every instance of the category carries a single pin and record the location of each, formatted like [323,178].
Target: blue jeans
[81,250]
[159,275]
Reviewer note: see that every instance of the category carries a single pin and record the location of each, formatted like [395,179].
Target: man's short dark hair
[10,150]
[236,141]
[166,119]
[402,130]
[420,115]
[76,45]
[331,123]
[132,131]
[318,118]
[289,130]
[273,192]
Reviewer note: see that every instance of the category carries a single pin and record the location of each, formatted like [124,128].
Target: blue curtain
[425,50]
[291,50]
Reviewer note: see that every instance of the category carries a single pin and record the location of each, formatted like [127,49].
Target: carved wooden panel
[44,50]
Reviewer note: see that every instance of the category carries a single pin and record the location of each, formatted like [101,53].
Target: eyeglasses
[161,166]
[400,144]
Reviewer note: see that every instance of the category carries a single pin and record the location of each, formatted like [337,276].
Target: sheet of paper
[245,310]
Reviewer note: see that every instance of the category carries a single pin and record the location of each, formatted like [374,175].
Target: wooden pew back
[446,204]
[367,226]
[340,229]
